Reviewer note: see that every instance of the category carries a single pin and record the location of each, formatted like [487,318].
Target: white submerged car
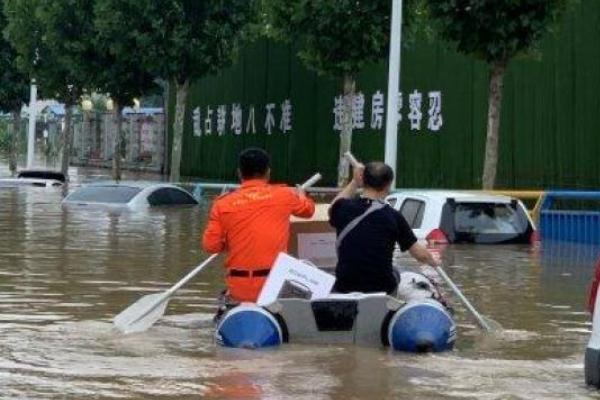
[442,217]
[129,195]
[35,178]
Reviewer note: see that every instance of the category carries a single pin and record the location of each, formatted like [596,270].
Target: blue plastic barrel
[249,327]
[422,326]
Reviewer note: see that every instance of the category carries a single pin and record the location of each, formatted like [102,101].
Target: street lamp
[391,123]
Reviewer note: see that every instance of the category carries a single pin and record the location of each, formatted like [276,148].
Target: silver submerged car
[132,196]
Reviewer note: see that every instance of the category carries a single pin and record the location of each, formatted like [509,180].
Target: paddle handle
[311,181]
[464,300]
[353,161]
[190,275]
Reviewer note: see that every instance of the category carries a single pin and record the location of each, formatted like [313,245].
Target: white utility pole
[31,130]
[391,123]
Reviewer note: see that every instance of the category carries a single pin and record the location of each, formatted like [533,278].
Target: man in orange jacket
[252,224]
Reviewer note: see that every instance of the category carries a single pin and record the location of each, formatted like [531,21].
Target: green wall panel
[549,128]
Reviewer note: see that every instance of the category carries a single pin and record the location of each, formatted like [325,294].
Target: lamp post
[31,128]
[391,124]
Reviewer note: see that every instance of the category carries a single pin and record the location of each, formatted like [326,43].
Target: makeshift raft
[419,324]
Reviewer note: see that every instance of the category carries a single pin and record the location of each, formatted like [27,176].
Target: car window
[170,196]
[486,222]
[181,197]
[104,194]
[392,201]
[412,210]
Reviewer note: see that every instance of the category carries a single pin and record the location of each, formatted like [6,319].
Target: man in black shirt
[368,230]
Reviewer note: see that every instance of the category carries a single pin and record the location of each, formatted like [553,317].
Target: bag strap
[376,205]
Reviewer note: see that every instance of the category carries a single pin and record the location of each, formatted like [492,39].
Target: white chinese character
[236,118]
[358,115]
[269,118]
[338,113]
[221,119]
[435,111]
[400,105]
[415,115]
[377,103]
[285,125]
[197,122]
[208,121]
[250,127]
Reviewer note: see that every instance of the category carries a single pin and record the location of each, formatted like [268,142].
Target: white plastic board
[290,274]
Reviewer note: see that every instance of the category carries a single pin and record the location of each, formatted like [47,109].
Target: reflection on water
[65,274]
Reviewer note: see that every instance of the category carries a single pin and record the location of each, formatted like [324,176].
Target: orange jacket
[253,225]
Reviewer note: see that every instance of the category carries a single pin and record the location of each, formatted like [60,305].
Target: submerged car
[36,178]
[442,217]
[129,195]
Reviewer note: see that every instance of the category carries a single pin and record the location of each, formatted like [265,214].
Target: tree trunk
[117,140]
[182,91]
[66,141]
[346,133]
[13,141]
[490,166]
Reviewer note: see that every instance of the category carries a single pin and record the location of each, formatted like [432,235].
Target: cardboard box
[314,239]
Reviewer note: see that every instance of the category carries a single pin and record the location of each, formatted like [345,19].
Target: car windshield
[115,194]
[487,223]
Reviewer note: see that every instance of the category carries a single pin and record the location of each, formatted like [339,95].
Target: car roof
[133,184]
[469,196]
[42,174]
[31,181]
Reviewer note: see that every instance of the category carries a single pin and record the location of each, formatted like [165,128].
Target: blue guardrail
[578,226]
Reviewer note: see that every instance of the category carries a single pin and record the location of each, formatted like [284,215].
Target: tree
[337,38]
[495,31]
[181,40]
[53,40]
[118,69]
[14,93]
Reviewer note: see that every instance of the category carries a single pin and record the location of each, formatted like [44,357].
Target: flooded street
[65,274]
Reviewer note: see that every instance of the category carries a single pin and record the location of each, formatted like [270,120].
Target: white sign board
[290,277]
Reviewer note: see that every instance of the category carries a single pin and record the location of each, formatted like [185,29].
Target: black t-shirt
[365,255]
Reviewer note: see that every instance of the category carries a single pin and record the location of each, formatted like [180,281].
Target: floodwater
[65,274]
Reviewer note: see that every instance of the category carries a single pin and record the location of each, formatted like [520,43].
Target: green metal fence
[550,120]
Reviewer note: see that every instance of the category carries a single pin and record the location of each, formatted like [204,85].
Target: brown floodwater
[65,274]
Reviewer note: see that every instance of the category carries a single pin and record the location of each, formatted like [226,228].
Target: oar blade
[142,314]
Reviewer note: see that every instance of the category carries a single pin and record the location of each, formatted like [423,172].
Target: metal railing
[570,216]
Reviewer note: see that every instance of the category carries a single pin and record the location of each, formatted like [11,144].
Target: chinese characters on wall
[423,112]
[415,115]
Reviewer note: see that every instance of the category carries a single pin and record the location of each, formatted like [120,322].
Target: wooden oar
[480,319]
[142,314]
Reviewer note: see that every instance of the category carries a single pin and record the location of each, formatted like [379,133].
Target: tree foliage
[178,39]
[14,84]
[119,70]
[495,30]
[339,37]
[54,43]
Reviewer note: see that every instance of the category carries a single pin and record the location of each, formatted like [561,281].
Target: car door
[414,209]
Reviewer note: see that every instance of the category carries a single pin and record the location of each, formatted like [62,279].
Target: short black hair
[254,163]
[377,175]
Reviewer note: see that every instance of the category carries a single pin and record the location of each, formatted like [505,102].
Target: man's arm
[422,255]
[304,206]
[351,188]
[213,240]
